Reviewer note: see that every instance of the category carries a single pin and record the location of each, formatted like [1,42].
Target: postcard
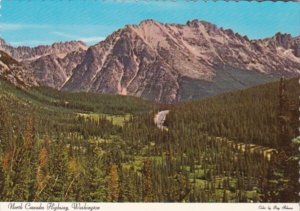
[149,105]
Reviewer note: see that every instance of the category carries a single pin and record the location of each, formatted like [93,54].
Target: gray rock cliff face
[51,65]
[14,72]
[52,70]
[171,62]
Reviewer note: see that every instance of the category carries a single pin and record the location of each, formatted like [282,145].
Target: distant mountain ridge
[22,53]
[51,65]
[163,62]
[13,71]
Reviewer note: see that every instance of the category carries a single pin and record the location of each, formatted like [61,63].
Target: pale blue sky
[36,22]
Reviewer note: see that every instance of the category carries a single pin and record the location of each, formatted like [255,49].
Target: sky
[39,22]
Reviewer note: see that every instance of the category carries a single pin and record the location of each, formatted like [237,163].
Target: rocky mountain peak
[193,23]
[155,61]
[2,42]
[14,72]
[22,53]
[70,46]
[148,22]
[282,40]
[166,62]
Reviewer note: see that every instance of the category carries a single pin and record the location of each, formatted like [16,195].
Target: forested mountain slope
[201,137]
[60,146]
[249,116]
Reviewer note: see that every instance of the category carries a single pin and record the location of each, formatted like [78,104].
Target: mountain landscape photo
[151,108]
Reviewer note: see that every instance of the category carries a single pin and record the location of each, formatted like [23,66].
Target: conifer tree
[225,196]
[113,184]
[42,174]
[283,117]
[94,176]
[147,180]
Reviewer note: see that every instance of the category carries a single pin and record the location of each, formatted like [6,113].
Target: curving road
[160,118]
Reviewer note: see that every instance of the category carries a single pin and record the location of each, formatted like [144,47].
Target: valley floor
[60,146]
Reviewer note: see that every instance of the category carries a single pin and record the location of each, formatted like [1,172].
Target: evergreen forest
[235,147]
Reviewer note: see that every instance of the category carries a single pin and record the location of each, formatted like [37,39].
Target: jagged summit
[160,61]
[149,21]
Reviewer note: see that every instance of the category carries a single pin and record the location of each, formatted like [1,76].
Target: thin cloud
[155,5]
[15,27]
[88,40]
[91,39]
[64,35]
[33,43]
[30,43]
